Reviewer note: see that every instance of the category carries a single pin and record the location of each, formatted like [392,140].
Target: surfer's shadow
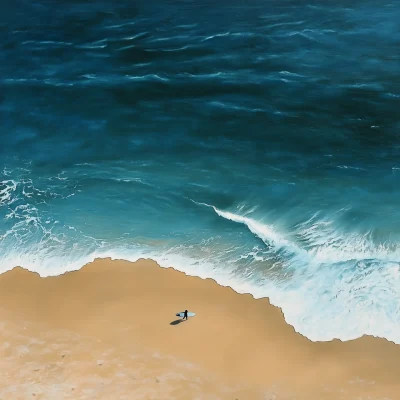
[177,322]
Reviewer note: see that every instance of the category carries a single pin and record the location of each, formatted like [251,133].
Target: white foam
[318,303]
[216,35]
[263,231]
[330,284]
[7,188]
[344,288]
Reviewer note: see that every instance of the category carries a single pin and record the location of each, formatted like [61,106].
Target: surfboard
[181,314]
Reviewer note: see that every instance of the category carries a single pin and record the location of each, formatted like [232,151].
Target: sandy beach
[109,331]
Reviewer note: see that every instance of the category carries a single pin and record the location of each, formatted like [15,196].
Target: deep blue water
[253,142]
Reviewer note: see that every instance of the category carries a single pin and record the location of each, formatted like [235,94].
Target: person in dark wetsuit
[185,316]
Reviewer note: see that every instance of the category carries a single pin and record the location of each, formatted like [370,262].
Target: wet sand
[108,331]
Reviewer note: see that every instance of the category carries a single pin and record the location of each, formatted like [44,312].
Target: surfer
[185,316]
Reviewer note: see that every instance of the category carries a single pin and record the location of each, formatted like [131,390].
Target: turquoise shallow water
[256,144]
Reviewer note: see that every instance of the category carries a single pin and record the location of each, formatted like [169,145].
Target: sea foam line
[264,232]
[321,298]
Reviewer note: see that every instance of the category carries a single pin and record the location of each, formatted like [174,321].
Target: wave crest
[338,286]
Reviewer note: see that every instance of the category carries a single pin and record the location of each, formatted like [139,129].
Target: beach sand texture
[109,331]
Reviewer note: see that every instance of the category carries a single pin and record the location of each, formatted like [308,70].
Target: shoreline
[236,345]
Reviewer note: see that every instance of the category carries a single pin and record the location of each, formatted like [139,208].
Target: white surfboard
[181,314]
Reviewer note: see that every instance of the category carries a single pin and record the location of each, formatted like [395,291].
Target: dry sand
[108,331]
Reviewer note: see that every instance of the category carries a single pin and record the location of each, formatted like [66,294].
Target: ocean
[255,143]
